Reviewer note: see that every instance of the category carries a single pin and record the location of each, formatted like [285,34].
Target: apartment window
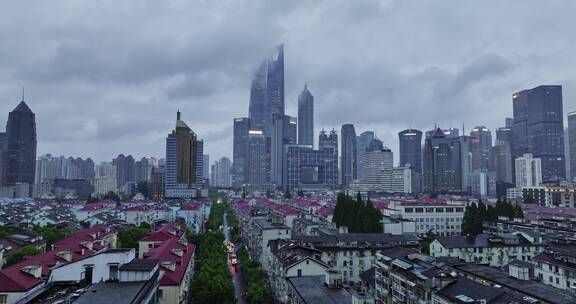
[299,272]
[345,263]
[449,209]
[459,209]
[307,262]
[3,299]
[429,209]
[557,281]
[160,293]
[419,210]
[114,272]
[550,279]
[408,210]
[440,210]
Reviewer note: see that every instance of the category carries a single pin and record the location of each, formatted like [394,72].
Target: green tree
[21,253]
[51,234]
[129,237]
[470,220]
[425,242]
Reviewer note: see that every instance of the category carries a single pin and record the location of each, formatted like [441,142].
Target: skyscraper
[362,143]
[377,158]
[572,143]
[331,142]
[181,172]
[538,129]
[240,151]
[446,163]
[125,170]
[306,118]
[283,133]
[309,169]
[19,152]
[2,140]
[503,135]
[257,172]
[480,144]
[206,165]
[411,149]
[267,92]
[349,161]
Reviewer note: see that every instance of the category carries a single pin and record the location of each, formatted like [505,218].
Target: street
[237,278]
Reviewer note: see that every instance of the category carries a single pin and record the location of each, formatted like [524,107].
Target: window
[419,210]
[3,299]
[440,210]
[459,209]
[408,210]
[160,294]
[557,281]
[299,272]
[429,209]
[307,262]
[449,209]
[114,272]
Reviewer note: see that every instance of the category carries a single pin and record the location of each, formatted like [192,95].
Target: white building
[494,250]
[397,180]
[222,173]
[528,171]
[103,185]
[442,218]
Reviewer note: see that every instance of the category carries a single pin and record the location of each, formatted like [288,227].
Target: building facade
[480,144]
[538,129]
[309,169]
[19,148]
[528,171]
[411,149]
[306,118]
[349,159]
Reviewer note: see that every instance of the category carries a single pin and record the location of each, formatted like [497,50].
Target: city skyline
[106,107]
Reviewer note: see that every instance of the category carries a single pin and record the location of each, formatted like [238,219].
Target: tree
[21,253]
[287,194]
[51,234]
[129,237]
[426,241]
[112,196]
[470,220]
[85,224]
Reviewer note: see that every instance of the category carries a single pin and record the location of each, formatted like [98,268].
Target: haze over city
[107,77]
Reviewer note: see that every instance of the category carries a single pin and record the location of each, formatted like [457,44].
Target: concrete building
[397,180]
[376,158]
[19,148]
[222,173]
[362,142]
[240,151]
[572,143]
[528,171]
[411,149]
[493,250]
[446,163]
[480,145]
[308,169]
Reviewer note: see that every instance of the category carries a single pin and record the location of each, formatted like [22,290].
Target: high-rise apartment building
[206,166]
[181,162]
[306,118]
[283,133]
[480,144]
[257,172]
[411,149]
[376,159]
[125,170]
[528,171]
[221,173]
[349,160]
[19,149]
[538,129]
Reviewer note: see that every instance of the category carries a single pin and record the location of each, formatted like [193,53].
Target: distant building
[125,170]
[411,149]
[206,166]
[528,171]
[376,159]
[309,169]
[257,174]
[283,133]
[483,183]
[446,163]
[349,160]
[538,129]
[362,143]
[572,143]
[19,148]
[306,118]
[480,144]
[240,151]
[221,173]
[181,162]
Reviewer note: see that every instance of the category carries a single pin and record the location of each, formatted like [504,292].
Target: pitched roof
[22,107]
[165,253]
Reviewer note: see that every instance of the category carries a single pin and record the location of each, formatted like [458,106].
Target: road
[237,277]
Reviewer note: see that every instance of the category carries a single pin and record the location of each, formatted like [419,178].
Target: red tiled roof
[13,279]
[189,207]
[164,253]
[164,233]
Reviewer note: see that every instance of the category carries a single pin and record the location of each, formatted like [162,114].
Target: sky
[107,77]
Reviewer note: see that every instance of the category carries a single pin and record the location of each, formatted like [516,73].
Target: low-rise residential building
[176,259]
[560,196]
[350,254]
[28,276]
[261,231]
[556,266]
[15,241]
[316,289]
[436,215]
[158,236]
[493,250]
[292,260]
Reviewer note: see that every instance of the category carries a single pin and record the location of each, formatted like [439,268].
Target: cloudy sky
[106,77]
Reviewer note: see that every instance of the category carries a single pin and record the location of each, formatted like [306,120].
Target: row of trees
[212,281]
[128,237]
[357,215]
[254,277]
[476,213]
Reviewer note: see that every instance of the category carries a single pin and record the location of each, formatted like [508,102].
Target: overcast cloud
[106,77]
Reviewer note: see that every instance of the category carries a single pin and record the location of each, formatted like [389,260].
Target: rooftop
[312,289]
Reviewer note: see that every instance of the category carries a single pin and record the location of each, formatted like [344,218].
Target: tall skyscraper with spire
[306,118]
[267,92]
[19,146]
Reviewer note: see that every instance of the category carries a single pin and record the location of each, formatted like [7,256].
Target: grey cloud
[107,77]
